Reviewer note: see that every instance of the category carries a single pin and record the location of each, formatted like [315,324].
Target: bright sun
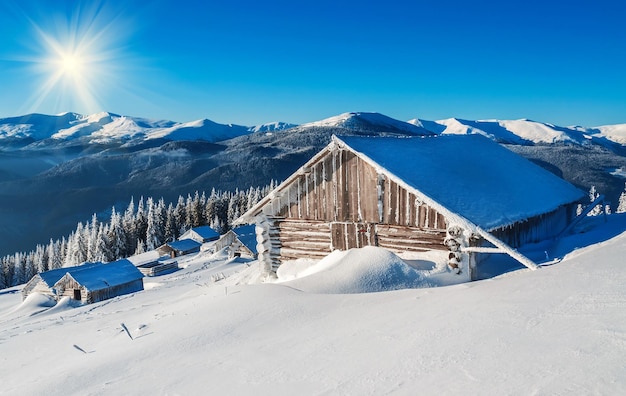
[71,64]
[78,61]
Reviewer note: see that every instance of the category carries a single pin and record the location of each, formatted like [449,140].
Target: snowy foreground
[203,330]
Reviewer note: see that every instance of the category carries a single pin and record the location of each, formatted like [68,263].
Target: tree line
[141,227]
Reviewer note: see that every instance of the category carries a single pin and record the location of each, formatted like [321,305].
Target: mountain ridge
[111,128]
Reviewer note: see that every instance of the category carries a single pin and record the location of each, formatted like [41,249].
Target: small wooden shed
[201,234]
[179,248]
[241,241]
[100,282]
[460,194]
[152,263]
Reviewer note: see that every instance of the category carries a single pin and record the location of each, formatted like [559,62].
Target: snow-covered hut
[461,194]
[241,241]
[179,248]
[201,234]
[152,263]
[100,282]
[44,282]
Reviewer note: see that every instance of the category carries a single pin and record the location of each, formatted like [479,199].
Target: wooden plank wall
[536,228]
[348,235]
[67,285]
[341,202]
[114,291]
[341,187]
[225,240]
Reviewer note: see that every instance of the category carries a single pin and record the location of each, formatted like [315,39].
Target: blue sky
[250,62]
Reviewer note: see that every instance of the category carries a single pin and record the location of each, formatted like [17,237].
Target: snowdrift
[365,270]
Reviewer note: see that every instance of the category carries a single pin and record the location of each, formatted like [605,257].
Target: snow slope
[559,330]
[615,133]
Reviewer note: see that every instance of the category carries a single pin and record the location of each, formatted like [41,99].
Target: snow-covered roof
[52,276]
[204,232]
[102,276]
[470,175]
[247,235]
[184,244]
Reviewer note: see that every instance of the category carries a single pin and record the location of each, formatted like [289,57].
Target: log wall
[292,239]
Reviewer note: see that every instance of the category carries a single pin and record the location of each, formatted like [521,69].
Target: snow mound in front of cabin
[365,270]
[35,303]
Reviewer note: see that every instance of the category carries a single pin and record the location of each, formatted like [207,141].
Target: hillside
[558,330]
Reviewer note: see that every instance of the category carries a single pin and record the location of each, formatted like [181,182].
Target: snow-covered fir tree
[593,195]
[621,204]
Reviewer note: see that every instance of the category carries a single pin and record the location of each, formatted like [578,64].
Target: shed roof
[184,244]
[102,276]
[247,235]
[469,175]
[205,232]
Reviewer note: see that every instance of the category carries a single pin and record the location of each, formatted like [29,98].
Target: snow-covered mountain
[369,122]
[528,132]
[108,127]
[271,127]
[615,133]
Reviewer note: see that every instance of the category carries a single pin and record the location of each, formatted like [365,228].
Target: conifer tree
[117,237]
[621,205]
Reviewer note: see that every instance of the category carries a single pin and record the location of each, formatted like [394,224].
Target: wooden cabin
[100,282]
[179,248]
[88,283]
[44,282]
[241,241]
[201,234]
[461,194]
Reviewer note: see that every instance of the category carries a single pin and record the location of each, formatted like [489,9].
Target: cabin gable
[341,201]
